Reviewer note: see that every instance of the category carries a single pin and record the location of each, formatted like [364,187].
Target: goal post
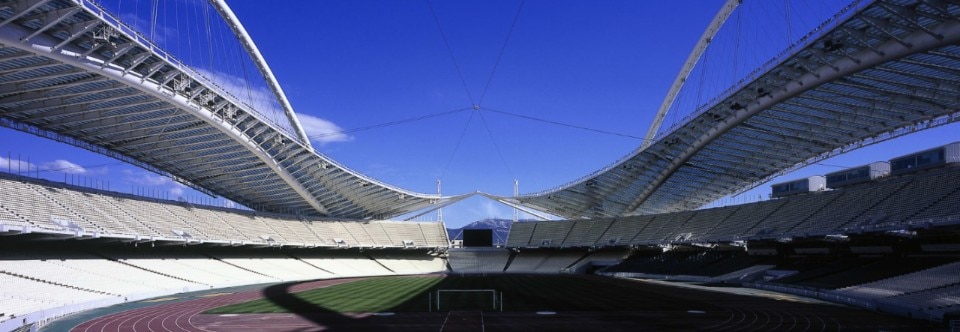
[467,299]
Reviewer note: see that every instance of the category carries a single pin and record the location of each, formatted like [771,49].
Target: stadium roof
[877,71]
[72,72]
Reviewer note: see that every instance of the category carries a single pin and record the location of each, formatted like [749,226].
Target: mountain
[500,227]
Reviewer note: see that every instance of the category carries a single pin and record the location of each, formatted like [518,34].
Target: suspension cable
[495,145]
[153,20]
[607,132]
[500,55]
[457,146]
[391,123]
[446,43]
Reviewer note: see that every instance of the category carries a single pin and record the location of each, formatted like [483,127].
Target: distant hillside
[500,227]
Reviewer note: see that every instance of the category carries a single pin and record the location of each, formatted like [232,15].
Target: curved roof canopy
[887,69]
[72,72]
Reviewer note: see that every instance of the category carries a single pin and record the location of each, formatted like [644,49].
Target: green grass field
[412,294]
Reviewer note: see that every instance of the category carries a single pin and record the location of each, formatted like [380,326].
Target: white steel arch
[691,62]
[883,69]
[86,79]
[262,65]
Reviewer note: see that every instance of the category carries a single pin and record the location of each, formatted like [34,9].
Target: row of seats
[544,262]
[20,296]
[473,261]
[931,278]
[47,206]
[673,262]
[409,263]
[935,301]
[89,274]
[911,199]
[916,285]
[38,281]
[478,261]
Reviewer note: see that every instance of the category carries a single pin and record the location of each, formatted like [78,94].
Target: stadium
[289,239]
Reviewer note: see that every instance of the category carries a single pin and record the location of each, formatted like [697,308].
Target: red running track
[180,316]
[726,312]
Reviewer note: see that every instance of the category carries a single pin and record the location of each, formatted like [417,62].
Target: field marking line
[483,327]
[445,321]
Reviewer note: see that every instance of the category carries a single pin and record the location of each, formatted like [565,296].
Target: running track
[724,312]
[177,316]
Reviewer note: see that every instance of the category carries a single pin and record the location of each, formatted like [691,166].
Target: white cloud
[155,182]
[486,209]
[148,179]
[322,131]
[64,166]
[492,210]
[262,100]
[15,165]
[176,191]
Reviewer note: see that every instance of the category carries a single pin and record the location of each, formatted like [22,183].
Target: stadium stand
[623,230]
[796,211]
[703,221]
[848,206]
[84,275]
[888,203]
[89,273]
[21,200]
[888,243]
[919,194]
[478,260]
[550,234]
[284,233]
[23,295]
[744,217]
[69,280]
[579,234]
[662,229]
[870,269]
[10,219]
[559,261]
[378,236]
[405,262]
[593,236]
[56,207]
[544,261]
[359,232]
[435,235]
[527,262]
[597,259]
[652,262]
[344,263]
[933,303]
[279,267]
[935,277]
[520,234]
[400,235]
[251,229]
[333,233]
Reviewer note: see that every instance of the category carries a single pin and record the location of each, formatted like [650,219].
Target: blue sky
[350,64]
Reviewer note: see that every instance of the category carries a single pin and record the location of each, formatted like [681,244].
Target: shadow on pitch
[329,320]
[281,296]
